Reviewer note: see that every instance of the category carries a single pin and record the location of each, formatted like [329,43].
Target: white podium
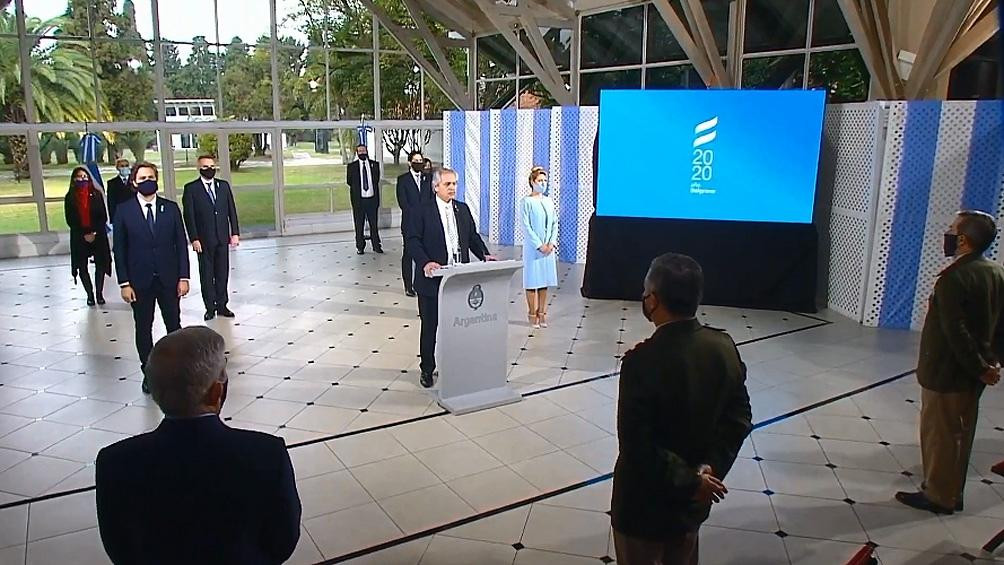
[471,343]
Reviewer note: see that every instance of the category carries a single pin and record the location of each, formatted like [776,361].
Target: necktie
[212,194]
[366,175]
[451,232]
[149,217]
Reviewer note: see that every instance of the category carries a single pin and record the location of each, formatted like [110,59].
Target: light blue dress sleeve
[529,236]
[552,222]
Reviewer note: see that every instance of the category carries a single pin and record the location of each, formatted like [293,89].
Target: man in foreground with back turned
[960,352]
[682,416]
[195,490]
[440,232]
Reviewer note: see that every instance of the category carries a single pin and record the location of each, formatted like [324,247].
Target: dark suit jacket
[963,334]
[355,181]
[197,491]
[410,196]
[425,240]
[139,254]
[118,192]
[211,225]
[682,403]
[80,250]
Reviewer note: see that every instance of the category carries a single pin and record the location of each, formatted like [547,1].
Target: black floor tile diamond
[518,546]
[781,534]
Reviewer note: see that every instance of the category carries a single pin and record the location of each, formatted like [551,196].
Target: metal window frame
[164,130]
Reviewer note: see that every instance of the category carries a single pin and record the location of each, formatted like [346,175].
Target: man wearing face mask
[414,187]
[961,347]
[119,189]
[211,220]
[151,259]
[195,490]
[683,413]
[363,176]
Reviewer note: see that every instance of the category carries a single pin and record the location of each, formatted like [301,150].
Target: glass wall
[787,44]
[94,69]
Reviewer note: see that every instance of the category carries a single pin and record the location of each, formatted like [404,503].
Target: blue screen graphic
[740,155]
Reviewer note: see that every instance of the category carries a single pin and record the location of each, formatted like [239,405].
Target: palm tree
[62,81]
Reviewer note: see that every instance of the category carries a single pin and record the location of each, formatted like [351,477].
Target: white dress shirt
[210,189]
[366,178]
[449,220]
[142,206]
[418,180]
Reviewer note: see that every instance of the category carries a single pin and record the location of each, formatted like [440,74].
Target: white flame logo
[703,127]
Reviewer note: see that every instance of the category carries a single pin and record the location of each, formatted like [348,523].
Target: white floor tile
[351,530]
[430,507]
[493,489]
[394,476]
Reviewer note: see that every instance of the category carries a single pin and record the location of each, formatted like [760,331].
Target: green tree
[61,80]
[240,147]
[197,78]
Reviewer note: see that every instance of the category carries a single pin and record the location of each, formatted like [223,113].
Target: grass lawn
[313,188]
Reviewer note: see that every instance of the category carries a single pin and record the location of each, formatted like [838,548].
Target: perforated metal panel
[589,123]
[851,157]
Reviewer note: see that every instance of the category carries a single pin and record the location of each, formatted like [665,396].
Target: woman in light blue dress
[540,240]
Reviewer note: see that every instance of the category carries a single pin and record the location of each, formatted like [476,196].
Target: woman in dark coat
[86,215]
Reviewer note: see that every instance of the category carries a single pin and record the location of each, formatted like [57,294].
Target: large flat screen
[740,155]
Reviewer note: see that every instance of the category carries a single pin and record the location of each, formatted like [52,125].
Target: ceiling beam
[437,50]
[451,17]
[886,46]
[970,41]
[403,37]
[942,28]
[557,89]
[541,50]
[868,45]
[700,28]
[698,57]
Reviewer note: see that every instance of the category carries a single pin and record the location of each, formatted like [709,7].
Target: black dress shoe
[919,501]
[209,315]
[378,250]
[90,301]
[426,380]
[145,386]
[225,312]
[359,251]
[410,292]
[101,300]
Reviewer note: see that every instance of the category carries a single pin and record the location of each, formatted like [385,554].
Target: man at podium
[441,232]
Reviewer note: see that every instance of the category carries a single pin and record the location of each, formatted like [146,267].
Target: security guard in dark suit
[682,416]
[961,347]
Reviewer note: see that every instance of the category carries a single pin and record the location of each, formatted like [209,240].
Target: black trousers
[366,209]
[428,309]
[214,271]
[99,280]
[164,295]
[408,269]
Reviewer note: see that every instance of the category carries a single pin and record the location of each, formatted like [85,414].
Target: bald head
[186,372]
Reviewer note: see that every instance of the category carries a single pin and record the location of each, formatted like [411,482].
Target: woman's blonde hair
[536,172]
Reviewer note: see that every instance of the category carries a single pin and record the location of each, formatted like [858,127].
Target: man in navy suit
[151,258]
[195,490]
[413,188]
[211,219]
[441,232]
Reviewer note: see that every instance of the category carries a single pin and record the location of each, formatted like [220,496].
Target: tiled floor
[323,352]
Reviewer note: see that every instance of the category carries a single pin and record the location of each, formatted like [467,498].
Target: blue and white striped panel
[472,164]
[589,122]
[507,176]
[567,200]
[494,147]
[940,157]
[524,162]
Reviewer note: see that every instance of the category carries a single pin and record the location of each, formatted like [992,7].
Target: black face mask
[363,156]
[208,173]
[418,167]
[644,309]
[951,244]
